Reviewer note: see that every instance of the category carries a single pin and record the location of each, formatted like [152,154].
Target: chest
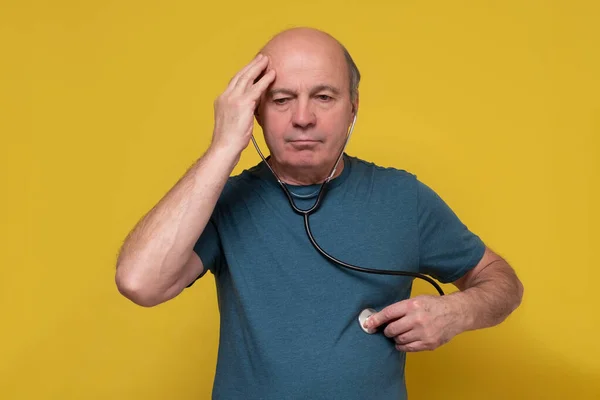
[267,246]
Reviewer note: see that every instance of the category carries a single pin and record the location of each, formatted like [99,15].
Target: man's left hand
[421,323]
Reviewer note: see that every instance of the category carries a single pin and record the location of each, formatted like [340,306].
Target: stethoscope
[367,312]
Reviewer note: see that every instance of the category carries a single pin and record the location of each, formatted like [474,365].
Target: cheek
[275,121]
[337,131]
[274,128]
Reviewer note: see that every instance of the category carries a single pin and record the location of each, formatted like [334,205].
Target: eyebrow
[316,89]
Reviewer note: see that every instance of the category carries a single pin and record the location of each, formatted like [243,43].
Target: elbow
[516,297]
[134,289]
[520,293]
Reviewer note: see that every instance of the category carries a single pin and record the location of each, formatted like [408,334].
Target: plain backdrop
[105,104]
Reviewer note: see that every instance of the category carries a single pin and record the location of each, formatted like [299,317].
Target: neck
[304,176]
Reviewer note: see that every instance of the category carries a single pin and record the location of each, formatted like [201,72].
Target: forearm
[489,298]
[155,252]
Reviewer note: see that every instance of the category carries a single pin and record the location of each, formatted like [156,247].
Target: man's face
[306,112]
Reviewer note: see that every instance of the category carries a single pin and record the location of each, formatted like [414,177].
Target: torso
[289,324]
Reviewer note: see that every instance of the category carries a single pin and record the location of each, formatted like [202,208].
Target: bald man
[288,327]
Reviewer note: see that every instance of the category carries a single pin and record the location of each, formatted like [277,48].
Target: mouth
[304,144]
[304,141]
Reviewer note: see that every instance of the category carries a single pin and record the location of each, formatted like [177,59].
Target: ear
[355,107]
[257,115]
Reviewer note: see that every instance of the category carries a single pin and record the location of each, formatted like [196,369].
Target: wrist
[224,152]
[463,315]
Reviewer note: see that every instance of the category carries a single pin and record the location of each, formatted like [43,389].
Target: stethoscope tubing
[306,214]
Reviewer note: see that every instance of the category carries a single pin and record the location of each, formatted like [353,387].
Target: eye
[324,97]
[280,101]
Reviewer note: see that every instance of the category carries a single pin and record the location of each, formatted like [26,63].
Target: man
[289,325]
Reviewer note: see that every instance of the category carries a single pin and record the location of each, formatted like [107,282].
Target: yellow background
[104,104]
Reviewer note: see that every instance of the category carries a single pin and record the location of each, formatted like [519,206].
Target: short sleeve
[447,248]
[208,248]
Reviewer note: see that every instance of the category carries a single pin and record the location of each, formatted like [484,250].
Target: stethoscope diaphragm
[362,318]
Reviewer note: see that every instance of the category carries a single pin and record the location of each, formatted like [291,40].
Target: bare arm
[157,260]
[488,294]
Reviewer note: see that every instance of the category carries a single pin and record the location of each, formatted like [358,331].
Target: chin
[302,158]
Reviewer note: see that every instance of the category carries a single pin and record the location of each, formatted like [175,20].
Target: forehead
[304,66]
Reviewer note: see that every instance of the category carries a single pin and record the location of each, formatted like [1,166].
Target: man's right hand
[234,108]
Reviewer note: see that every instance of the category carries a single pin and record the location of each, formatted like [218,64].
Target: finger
[259,87]
[240,73]
[408,337]
[247,77]
[412,347]
[258,78]
[389,313]
[399,326]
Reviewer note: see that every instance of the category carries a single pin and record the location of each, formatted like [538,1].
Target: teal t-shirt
[288,316]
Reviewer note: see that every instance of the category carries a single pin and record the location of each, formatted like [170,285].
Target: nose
[303,116]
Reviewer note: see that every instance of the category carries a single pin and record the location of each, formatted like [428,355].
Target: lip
[304,144]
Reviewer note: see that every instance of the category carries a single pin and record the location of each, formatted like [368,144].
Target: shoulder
[390,175]
[364,165]
[239,186]
[365,170]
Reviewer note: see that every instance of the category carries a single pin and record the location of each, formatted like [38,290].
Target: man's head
[305,114]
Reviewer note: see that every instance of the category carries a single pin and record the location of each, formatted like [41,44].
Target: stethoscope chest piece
[362,318]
